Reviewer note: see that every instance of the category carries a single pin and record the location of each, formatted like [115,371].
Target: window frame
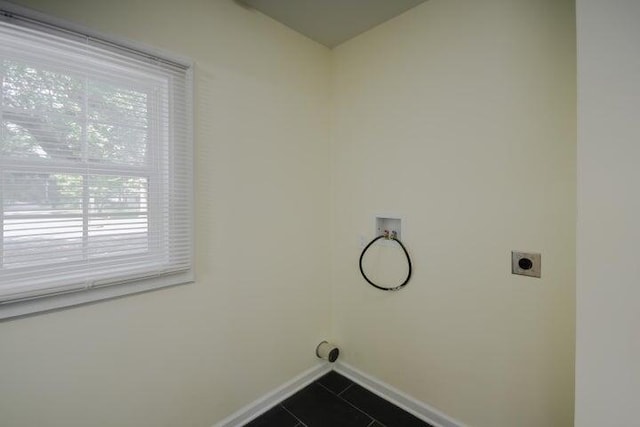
[62,299]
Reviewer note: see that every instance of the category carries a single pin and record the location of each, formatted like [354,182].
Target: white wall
[460,117]
[191,355]
[608,271]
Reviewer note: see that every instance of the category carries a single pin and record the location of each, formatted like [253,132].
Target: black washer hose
[396,288]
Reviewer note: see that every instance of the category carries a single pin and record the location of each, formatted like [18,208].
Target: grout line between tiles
[348,387]
[351,404]
[300,423]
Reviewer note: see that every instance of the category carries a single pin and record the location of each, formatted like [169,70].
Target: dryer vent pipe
[327,351]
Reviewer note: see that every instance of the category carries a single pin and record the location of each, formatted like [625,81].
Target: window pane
[118,215]
[42,219]
[110,143]
[41,112]
[118,127]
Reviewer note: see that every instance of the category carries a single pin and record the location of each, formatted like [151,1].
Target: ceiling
[331,22]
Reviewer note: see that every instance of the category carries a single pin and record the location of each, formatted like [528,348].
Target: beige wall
[191,355]
[608,295]
[459,116]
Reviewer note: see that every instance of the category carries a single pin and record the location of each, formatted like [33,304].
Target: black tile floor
[336,401]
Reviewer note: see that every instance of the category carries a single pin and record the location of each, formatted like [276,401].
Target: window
[95,169]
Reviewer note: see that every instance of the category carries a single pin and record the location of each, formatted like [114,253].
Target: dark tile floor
[336,401]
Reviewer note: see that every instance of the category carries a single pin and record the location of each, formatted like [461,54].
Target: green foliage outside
[58,118]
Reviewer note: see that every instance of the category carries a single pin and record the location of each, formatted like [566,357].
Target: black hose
[396,288]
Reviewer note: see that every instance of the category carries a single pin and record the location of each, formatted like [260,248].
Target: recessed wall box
[390,225]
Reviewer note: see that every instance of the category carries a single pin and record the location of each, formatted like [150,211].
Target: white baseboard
[268,401]
[395,396]
[387,392]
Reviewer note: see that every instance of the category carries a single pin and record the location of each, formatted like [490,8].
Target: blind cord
[393,237]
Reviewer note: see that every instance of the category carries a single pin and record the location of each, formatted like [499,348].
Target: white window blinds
[95,164]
